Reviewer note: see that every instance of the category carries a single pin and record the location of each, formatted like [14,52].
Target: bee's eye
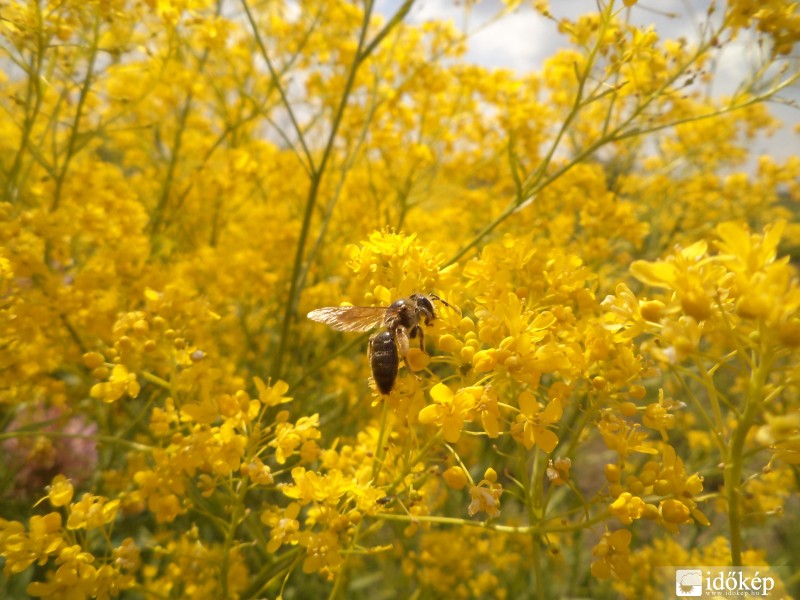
[425,304]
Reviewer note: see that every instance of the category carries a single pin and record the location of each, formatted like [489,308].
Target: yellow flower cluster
[612,361]
[48,538]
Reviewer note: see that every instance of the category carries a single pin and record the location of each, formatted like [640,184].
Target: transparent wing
[349,318]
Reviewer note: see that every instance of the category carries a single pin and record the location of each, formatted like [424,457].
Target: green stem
[536,530]
[34,95]
[105,439]
[734,465]
[295,285]
[177,141]
[716,426]
[76,122]
[380,452]
[532,498]
[233,526]
[536,558]
[317,172]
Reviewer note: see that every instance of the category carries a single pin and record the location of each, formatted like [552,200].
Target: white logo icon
[689,582]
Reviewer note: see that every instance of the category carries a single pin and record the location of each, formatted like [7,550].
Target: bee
[403,321]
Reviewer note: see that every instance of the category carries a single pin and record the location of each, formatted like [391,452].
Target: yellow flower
[60,491]
[612,555]
[558,471]
[490,412]
[486,495]
[451,409]
[623,438]
[120,383]
[256,470]
[690,273]
[284,526]
[322,551]
[127,555]
[530,426]
[393,265]
[92,512]
[627,507]
[311,487]
[289,437]
[658,416]
[673,481]
[165,507]
[224,449]
[21,549]
[272,395]
[75,575]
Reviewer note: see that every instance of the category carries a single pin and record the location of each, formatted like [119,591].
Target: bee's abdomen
[384,361]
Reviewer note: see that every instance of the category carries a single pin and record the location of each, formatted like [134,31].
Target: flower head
[531,425]
[486,495]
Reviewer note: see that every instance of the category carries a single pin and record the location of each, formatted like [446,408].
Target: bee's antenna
[435,297]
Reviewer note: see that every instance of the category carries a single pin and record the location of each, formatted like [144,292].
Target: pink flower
[46,447]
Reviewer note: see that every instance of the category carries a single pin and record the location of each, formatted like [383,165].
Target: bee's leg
[418,330]
[408,366]
[401,336]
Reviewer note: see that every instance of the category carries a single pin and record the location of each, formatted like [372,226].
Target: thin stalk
[362,53]
[275,81]
[532,495]
[237,512]
[76,122]
[345,169]
[380,453]
[31,112]
[111,440]
[177,142]
[715,427]
[734,465]
[537,530]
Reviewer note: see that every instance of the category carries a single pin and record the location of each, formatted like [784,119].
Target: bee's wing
[349,318]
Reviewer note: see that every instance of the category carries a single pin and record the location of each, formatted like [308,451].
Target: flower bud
[455,477]
[674,511]
[93,360]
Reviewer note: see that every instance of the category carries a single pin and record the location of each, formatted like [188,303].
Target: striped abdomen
[384,360]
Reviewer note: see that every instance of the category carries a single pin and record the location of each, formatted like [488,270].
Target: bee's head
[424,304]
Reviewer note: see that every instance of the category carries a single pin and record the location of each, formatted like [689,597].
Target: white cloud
[521,41]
